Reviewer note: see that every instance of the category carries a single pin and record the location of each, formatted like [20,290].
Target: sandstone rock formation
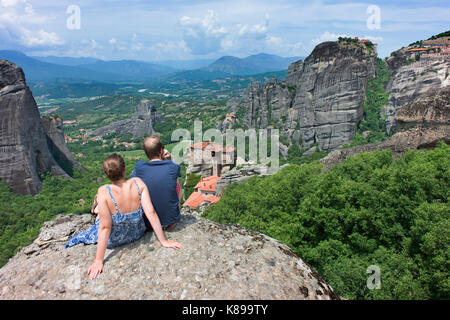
[409,81]
[139,125]
[233,105]
[218,262]
[321,100]
[53,127]
[241,174]
[24,153]
[421,124]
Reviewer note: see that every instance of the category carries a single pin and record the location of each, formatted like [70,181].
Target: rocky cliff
[241,174]
[218,262]
[139,125]
[410,79]
[420,124]
[24,153]
[321,100]
[53,127]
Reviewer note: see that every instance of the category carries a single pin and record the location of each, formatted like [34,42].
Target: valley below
[364,178]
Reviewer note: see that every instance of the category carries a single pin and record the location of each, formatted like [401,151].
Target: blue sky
[176,29]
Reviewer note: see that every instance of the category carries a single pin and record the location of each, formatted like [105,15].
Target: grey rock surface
[241,174]
[233,105]
[139,125]
[53,127]
[430,111]
[331,92]
[409,81]
[24,154]
[421,124]
[321,100]
[218,262]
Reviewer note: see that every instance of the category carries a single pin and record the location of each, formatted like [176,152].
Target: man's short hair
[152,147]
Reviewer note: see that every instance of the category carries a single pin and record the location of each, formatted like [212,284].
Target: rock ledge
[218,262]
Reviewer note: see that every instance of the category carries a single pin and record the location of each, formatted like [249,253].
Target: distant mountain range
[259,63]
[229,66]
[51,68]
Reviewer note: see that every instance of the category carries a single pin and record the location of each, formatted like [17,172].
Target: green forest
[371,210]
[376,98]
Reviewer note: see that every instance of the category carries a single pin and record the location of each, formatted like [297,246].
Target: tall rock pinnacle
[24,153]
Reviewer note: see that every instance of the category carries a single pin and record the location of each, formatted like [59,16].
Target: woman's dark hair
[114,167]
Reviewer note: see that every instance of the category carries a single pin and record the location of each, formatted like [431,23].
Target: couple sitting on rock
[127,208]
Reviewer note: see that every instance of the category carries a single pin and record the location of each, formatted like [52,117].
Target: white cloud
[92,44]
[206,36]
[328,36]
[21,26]
[169,49]
[39,38]
[8,3]
[135,44]
[257,31]
[203,35]
[277,45]
[374,39]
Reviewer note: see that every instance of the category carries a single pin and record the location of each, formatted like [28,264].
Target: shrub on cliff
[371,210]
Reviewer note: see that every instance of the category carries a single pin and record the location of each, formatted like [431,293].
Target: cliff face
[409,81]
[420,124]
[24,153]
[218,262]
[139,125]
[321,100]
[331,94]
[53,127]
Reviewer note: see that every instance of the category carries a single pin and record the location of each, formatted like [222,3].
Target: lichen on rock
[218,262]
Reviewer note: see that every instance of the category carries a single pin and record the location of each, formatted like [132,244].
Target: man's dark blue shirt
[161,180]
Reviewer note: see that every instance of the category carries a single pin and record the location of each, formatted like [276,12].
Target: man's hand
[166,155]
[172,244]
[95,269]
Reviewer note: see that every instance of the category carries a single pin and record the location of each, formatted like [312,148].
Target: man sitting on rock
[161,178]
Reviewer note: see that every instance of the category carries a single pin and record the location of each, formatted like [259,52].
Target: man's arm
[133,174]
[178,185]
[152,217]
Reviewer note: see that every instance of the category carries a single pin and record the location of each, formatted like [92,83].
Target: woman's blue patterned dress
[126,227]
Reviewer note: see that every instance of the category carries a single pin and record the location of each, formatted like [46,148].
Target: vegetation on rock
[376,98]
[371,210]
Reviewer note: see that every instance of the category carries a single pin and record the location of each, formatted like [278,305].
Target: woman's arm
[104,231]
[151,215]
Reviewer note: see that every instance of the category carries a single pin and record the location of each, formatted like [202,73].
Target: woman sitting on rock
[113,228]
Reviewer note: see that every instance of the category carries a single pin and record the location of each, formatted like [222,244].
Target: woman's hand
[95,269]
[171,244]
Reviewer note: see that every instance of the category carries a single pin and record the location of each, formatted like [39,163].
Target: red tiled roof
[230,115]
[200,145]
[212,199]
[196,199]
[207,184]
[424,49]
[418,49]
[214,147]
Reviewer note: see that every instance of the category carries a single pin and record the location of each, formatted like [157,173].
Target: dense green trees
[191,181]
[371,210]
[21,217]
[376,98]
